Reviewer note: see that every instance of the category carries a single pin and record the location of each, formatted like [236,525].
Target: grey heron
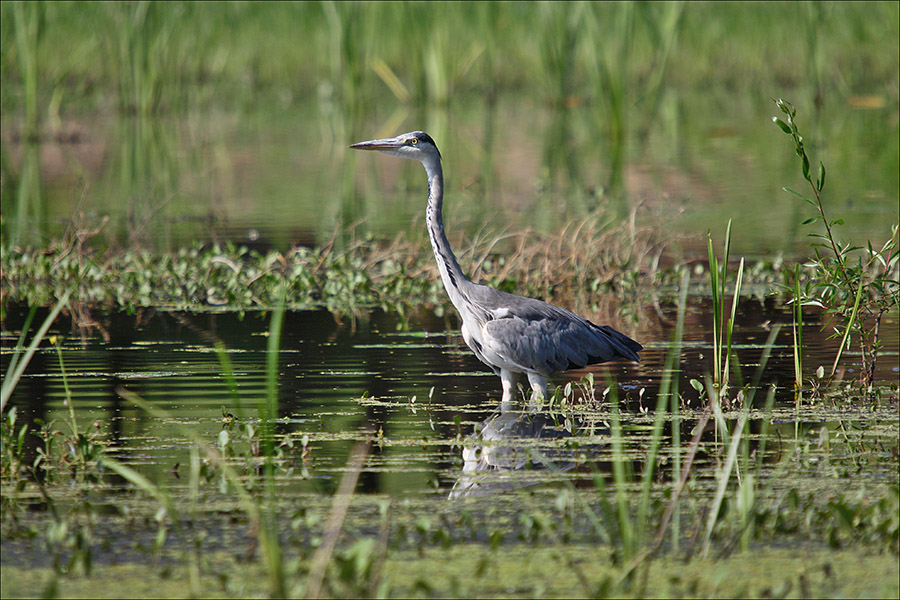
[511,334]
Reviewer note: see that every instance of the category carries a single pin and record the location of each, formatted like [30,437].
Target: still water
[419,391]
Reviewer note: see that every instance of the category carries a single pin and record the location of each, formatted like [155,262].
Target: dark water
[419,391]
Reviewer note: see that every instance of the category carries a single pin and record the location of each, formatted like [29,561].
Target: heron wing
[535,336]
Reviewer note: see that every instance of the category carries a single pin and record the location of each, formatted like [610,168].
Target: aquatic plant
[855,285]
[398,276]
[259,513]
[797,338]
[611,31]
[13,462]
[722,329]
[585,531]
[75,453]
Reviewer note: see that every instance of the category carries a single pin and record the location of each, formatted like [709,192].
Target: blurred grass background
[677,91]
[148,56]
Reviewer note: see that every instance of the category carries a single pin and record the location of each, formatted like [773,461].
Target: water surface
[419,391]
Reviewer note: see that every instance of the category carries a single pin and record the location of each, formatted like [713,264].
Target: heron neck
[451,273]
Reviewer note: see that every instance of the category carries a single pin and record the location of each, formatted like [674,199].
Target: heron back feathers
[528,335]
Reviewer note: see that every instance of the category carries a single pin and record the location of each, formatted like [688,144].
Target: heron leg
[508,378]
[538,386]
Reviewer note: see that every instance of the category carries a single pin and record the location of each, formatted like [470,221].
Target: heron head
[415,144]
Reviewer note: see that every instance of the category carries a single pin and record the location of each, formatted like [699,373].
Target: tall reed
[634,544]
[612,36]
[621,479]
[30,204]
[236,52]
[348,49]
[722,328]
[668,387]
[610,74]
[268,413]
[28,20]
[144,49]
[723,476]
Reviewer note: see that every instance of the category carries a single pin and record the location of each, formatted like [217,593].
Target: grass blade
[20,343]
[650,465]
[716,299]
[724,477]
[730,326]
[268,408]
[797,338]
[850,324]
[339,506]
[621,480]
[11,379]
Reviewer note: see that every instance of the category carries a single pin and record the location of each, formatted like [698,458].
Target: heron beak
[385,144]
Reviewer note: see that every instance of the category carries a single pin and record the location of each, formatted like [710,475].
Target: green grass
[845,573]
[150,55]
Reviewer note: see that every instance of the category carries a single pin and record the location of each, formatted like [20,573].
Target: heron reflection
[514,448]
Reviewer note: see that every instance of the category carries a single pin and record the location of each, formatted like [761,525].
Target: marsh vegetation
[229,367]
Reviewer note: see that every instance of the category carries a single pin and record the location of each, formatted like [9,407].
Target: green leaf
[782,124]
[820,182]
[785,107]
[798,194]
[811,220]
[805,167]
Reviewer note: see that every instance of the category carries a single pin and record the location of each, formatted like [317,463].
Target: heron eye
[413,141]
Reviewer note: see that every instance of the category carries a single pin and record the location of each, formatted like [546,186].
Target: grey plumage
[509,333]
